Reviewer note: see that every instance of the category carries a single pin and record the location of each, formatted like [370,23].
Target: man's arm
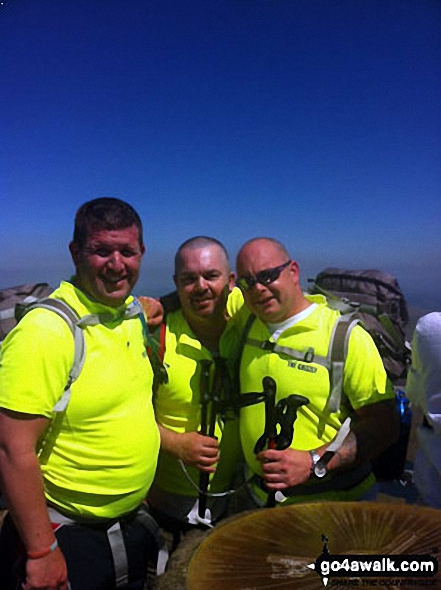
[192,448]
[373,429]
[22,485]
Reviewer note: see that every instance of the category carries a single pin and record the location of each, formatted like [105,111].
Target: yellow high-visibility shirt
[105,454]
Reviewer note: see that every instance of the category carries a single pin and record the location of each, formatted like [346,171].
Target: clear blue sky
[314,121]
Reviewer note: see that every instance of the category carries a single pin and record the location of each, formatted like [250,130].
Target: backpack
[375,299]
[15,303]
[24,295]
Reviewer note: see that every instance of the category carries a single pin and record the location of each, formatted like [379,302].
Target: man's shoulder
[235,302]
[42,322]
[76,299]
[176,322]
[322,318]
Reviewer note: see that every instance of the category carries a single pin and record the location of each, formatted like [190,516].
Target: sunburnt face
[203,281]
[108,265]
[278,300]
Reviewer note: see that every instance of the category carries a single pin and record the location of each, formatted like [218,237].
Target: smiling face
[107,266]
[203,280]
[280,299]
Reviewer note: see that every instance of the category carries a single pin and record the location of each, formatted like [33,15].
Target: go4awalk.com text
[359,570]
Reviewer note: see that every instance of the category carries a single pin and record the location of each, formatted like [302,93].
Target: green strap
[155,351]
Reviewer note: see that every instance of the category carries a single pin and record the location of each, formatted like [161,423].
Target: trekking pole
[205,399]
[284,414]
[268,396]
[268,438]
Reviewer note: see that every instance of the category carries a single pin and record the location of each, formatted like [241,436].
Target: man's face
[278,300]
[203,281]
[107,267]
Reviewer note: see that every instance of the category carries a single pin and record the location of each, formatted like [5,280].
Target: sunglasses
[264,277]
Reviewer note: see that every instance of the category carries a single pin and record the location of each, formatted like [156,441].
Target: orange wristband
[38,554]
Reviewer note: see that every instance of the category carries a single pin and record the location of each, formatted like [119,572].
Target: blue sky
[314,121]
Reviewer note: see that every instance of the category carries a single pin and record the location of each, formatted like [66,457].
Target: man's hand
[22,485]
[192,448]
[153,310]
[47,573]
[199,451]
[284,469]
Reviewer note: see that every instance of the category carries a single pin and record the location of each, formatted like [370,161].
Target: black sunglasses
[264,277]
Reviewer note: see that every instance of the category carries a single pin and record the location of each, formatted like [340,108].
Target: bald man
[289,341]
[198,339]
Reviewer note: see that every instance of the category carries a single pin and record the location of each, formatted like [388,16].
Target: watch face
[320,470]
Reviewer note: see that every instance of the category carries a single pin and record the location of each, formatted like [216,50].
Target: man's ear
[231,280]
[74,252]
[294,269]
[175,280]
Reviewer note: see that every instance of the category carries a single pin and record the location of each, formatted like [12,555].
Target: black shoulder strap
[238,356]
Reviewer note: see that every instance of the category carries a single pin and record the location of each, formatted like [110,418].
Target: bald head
[203,279]
[269,243]
[271,280]
[201,243]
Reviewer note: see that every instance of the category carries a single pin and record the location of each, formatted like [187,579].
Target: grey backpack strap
[6,314]
[133,310]
[144,517]
[119,554]
[337,352]
[72,320]
[116,543]
[306,355]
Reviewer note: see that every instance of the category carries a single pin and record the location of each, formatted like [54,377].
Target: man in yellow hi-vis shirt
[76,517]
[289,342]
[199,343]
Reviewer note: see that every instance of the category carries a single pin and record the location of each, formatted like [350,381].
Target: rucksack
[24,295]
[375,298]
[15,303]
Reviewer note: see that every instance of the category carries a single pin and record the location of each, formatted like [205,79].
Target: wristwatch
[318,467]
[319,464]
[315,458]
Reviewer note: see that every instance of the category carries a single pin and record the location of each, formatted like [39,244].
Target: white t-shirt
[424,389]
[279,327]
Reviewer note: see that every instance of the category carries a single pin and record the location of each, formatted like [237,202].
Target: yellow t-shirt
[364,381]
[105,454]
[178,405]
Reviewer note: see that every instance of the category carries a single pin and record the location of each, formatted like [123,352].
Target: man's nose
[201,283]
[116,261]
[257,287]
